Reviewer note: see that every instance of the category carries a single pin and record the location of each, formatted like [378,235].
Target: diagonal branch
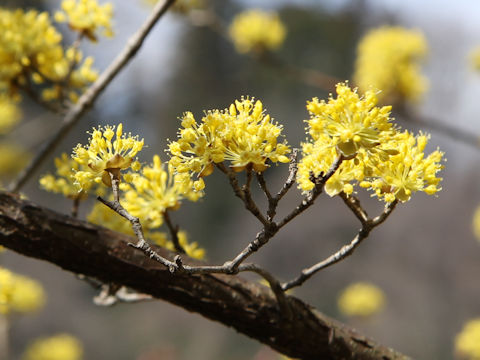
[248,307]
[345,251]
[91,94]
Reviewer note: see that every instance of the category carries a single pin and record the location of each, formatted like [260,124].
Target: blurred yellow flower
[64,183]
[476,223]
[467,342]
[388,60]
[9,114]
[12,158]
[86,17]
[475,58]
[155,191]
[19,293]
[58,347]
[361,299]
[256,31]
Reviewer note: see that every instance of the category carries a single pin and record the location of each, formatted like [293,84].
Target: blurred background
[425,258]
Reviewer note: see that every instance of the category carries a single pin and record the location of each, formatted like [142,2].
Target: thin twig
[273,201]
[243,193]
[344,252]
[75,205]
[173,233]
[136,225]
[92,93]
[354,204]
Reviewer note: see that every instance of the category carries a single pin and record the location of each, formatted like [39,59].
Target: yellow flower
[28,41]
[65,182]
[408,171]
[31,52]
[361,299]
[58,347]
[9,114]
[376,155]
[256,31]
[156,191]
[102,157]
[12,158]
[467,342]
[243,134]
[388,60]
[87,16]
[19,293]
[351,121]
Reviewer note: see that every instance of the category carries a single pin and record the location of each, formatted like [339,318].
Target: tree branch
[248,307]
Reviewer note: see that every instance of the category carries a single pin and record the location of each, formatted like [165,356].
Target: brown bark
[248,307]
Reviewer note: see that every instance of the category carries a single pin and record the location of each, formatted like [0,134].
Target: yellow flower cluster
[467,342]
[87,17]
[388,60]
[104,216]
[361,299]
[102,157]
[243,135]
[156,191]
[257,31]
[58,347]
[19,293]
[63,184]
[9,114]
[376,154]
[31,50]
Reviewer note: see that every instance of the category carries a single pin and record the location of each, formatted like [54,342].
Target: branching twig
[92,93]
[312,196]
[136,225]
[273,201]
[243,193]
[344,252]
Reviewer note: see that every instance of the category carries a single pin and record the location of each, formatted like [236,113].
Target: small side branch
[173,229]
[344,252]
[354,205]
[243,193]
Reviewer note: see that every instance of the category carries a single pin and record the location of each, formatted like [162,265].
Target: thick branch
[246,306]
